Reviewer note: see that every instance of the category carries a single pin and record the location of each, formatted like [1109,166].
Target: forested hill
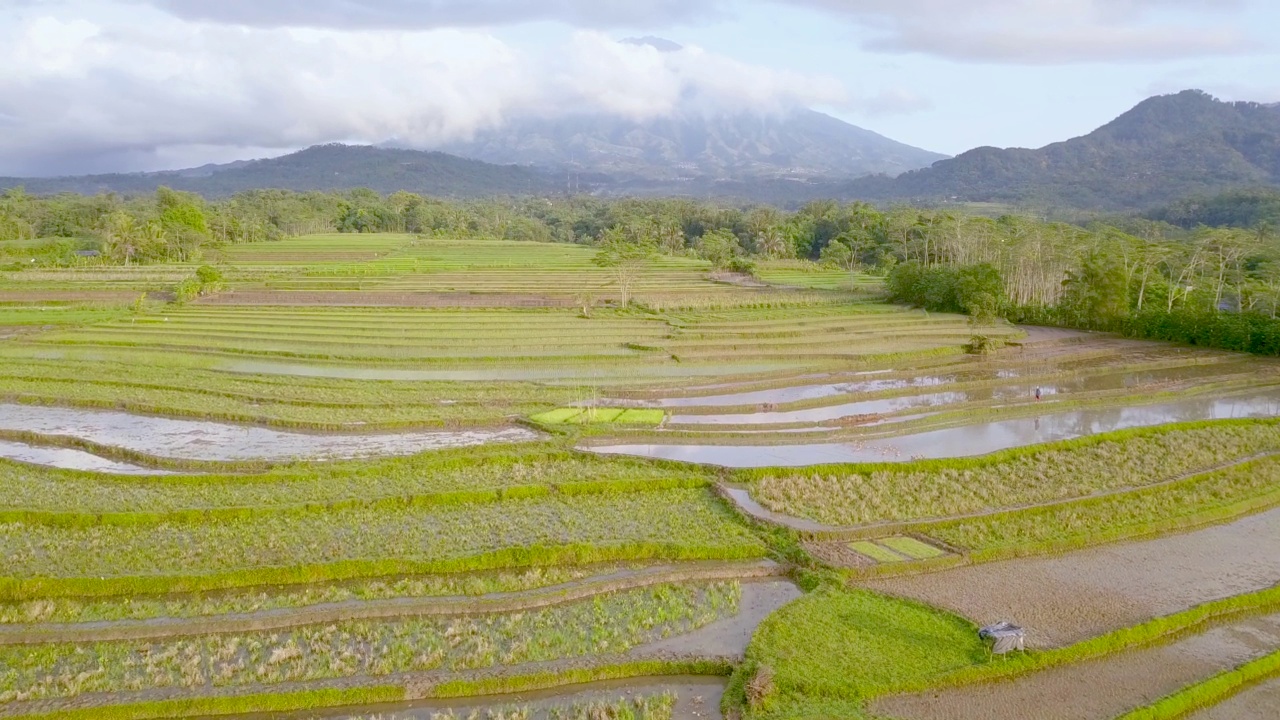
[323,167]
[1166,148]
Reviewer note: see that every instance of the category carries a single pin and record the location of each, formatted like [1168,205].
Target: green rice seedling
[86,610]
[1208,497]
[636,416]
[447,477]
[911,547]
[876,552]
[851,645]
[557,416]
[855,495]
[46,561]
[603,625]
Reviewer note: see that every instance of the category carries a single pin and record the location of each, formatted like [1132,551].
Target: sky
[130,85]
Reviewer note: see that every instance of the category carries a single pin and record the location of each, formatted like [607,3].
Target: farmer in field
[1037,393]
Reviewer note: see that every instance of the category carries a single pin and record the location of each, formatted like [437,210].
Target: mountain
[1167,147]
[323,167]
[691,145]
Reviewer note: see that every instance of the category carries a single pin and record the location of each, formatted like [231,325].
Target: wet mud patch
[1097,689]
[1061,600]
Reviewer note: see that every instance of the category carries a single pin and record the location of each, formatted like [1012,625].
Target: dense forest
[1132,274]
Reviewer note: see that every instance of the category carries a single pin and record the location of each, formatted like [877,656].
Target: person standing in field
[1037,393]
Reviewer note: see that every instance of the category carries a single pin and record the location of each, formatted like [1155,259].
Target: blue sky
[123,85]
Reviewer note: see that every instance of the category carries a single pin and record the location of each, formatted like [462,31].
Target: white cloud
[122,91]
[1048,32]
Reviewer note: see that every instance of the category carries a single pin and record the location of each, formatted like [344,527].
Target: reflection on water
[967,440]
[69,459]
[1003,393]
[198,440]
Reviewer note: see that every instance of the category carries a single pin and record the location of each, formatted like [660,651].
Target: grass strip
[875,552]
[1209,692]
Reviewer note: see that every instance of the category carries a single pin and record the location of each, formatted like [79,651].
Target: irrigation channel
[209,441]
[966,440]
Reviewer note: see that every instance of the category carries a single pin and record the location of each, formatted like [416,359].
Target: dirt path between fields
[374,298]
[1098,689]
[1061,600]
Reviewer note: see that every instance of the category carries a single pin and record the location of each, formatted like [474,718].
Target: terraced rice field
[348,485]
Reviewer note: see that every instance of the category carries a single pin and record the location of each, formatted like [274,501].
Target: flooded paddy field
[1065,599]
[965,440]
[197,440]
[1099,689]
[70,459]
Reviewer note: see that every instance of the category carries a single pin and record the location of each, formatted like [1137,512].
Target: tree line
[1141,276]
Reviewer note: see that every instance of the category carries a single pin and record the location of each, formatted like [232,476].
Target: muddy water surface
[967,440]
[1098,689]
[197,440]
[1061,600]
[68,459]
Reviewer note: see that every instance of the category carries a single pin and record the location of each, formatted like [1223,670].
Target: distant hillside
[691,145]
[1258,208]
[1166,148]
[323,167]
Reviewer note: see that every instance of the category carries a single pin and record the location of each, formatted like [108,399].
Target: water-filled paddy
[1061,600]
[967,440]
[199,440]
[1098,689]
[70,459]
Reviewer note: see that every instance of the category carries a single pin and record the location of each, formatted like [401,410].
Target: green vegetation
[449,477]
[876,552]
[47,561]
[608,624]
[833,649]
[854,495]
[911,547]
[1197,500]
[86,610]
